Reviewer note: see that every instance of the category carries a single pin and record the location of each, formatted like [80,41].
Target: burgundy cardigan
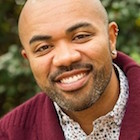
[37,119]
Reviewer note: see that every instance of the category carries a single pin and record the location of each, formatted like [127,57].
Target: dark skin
[79,42]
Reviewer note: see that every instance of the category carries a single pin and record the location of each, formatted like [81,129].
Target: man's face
[67,45]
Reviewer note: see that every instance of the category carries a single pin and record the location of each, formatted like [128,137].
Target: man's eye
[44,48]
[81,37]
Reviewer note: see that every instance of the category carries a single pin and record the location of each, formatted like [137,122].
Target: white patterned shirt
[106,127]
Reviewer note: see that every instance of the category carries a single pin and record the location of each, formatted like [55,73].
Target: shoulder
[23,115]
[125,62]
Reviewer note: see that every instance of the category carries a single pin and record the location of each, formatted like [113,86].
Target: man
[71,48]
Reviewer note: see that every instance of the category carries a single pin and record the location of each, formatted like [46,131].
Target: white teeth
[72,79]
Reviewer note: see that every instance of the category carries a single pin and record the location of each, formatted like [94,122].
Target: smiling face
[68,46]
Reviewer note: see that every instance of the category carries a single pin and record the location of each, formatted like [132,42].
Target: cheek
[40,67]
[97,51]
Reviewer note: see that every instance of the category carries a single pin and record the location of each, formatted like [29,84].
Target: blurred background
[16,81]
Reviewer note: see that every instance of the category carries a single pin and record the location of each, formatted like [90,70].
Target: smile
[74,80]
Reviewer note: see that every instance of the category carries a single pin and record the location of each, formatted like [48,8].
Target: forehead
[41,15]
[39,9]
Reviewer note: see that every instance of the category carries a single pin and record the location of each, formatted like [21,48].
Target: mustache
[74,66]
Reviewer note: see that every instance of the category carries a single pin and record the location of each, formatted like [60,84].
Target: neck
[104,105]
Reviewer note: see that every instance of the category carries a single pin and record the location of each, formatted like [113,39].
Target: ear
[113,33]
[24,54]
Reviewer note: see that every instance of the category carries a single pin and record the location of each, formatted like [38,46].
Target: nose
[65,55]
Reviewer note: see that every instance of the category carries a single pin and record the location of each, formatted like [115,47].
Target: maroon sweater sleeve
[21,122]
[36,119]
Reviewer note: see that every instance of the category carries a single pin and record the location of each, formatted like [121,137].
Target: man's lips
[72,80]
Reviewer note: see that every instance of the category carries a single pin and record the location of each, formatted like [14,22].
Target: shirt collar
[119,108]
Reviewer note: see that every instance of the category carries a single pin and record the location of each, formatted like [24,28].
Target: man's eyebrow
[39,38]
[69,30]
[78,25]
